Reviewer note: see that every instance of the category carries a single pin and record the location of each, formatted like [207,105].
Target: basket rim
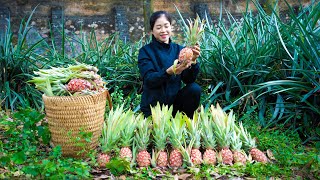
[105,90]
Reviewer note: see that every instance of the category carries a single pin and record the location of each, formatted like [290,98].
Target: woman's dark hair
[158,14]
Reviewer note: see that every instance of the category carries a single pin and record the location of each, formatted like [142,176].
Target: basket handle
[109,99]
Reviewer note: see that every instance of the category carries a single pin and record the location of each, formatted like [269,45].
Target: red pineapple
[176,133]
[208,137]
[250,143]
[194,132]
[239,156]
[110,135]
[160,117]
[142,137]
[162,159]
[128,127]
[175,159]
[222,126]
[77,85]
[103,159]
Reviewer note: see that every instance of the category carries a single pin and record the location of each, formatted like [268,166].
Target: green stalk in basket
[77,79]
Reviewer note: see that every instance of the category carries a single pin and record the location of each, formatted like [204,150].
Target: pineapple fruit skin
[126,152]
[209,157]
[162,159]
[227,156]
[175,159]
[196,156]
[103,159]
[185,54]
[77,85]
[143,158]
[258,155]
[239,157]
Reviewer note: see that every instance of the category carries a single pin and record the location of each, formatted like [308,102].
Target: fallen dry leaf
[176,177]
[184,176]
[103,176]
[270,155]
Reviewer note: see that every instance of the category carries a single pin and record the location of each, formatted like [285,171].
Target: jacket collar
[161,44]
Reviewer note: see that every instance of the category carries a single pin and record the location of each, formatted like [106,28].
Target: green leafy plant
[118,166]
[265,62]
[18,58]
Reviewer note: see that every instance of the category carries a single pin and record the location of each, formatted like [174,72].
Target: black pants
[187,99]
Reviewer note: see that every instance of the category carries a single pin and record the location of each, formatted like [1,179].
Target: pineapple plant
[142,138]
[208,137]
[193,34]
[194,132]
[222,129]
[128,126]
[160,118]
[110,135]
[250,143]
[239,156]
[176,136]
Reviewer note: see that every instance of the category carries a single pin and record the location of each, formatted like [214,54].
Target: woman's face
[162,29]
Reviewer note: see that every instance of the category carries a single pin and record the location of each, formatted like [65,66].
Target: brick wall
[128,17]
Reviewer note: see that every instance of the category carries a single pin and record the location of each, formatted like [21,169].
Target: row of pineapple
[213,130]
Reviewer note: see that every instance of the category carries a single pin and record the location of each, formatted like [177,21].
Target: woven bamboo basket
[69,116]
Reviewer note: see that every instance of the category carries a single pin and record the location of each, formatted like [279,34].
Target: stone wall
[128,17]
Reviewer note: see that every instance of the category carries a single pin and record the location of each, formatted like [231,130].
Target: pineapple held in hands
[193,34]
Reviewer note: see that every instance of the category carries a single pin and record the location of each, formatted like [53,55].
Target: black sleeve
[152,76]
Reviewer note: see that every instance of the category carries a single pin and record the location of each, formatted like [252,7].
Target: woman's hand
[196,53]
[177,67]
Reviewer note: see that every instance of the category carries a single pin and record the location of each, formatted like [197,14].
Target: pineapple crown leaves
[134,155]
[177,128]
[236,143]
[110,132]
[82,67]
[160,117]
[246,137]
[143,132]
[186,151]
[194,31]
[194,129]
[223,125]
[208,137]
[154,158]
[128,127]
